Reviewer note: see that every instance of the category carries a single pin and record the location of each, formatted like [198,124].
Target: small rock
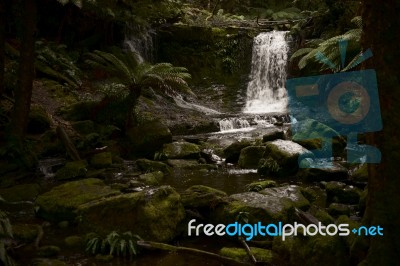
[73,241]
[260,185]
[181,150]
[146,165]
[48,251]
[104,258]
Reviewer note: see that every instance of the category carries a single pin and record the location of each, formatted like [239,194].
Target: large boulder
[146,139]
[284,155]
[199,196]
[72,170]
[232,152]
[61,202]
[154,214]
[250,157]
[180,150]
[341,193]
[146,165]
[331,172]
[291,192]
[274,134]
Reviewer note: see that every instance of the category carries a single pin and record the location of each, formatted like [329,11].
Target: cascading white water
[229,124]
[266,91]
[140,40]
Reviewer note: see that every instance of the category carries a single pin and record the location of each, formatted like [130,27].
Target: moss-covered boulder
[337,209]
[260,185]
[146,165]
[324,217]
[146,139]
[200,196]
[23,192]
[232,152]
[72,170]
[61,202]
[250,157]
[240,254]
[289,192]
[152,179]
[152,213]
[285,153]
[79,111]
[361,173]
[101,160]
[25,232]
[312,250]
[274,134]
[84,127]
[181,150]
[38,121]
[341,193]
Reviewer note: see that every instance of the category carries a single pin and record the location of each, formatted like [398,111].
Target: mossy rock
[232,152]
[200,196]
[101,160]
[260,185]
[312,250]
[23,192]
[25,232]
[79,111]
[324,217]
[181,150]
[152,213]
[309,193]
[48,251]
[84,127]
[152,179]
[361,174]
[286,154]
[240,254]
[337,209]
[334,172]
[344,219]
[341,193]
[191,165]
[61,202]
[72,170]
[146,165]
[73,241]
[38,121]
[145,140]
[250,157]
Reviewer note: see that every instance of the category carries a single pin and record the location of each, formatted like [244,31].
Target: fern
[5,232]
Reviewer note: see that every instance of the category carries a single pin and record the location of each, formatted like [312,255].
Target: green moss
[324,217]
[250,156]
[181,150]
[72,170]
[202,196]
[361,174]
[23,192]
[152,179]
[146,165]
[73,241]
[239,254]
[25,232]
[48,251]
[60,203]
[260,185]
[101,160]
[84,127]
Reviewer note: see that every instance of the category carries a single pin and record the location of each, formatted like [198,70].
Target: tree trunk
[381,33]
[23,91]
[2,43]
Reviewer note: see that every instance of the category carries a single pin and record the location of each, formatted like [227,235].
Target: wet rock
[23,192]
[335,172]
[337,209]
[210,156]
[240,254]
[152,179]
[285,153]
[84,127]
[48,251]
[38,121]
[146,139]
[72,170]
[260,185]
[202,197]
[250,156]
[261,208]
[341,193]
[152,213]
[61,202]
[289,192]
[101,160]
[232,152]
[310,194]
[274,135]
[146,165]
[361,174]
[181,150]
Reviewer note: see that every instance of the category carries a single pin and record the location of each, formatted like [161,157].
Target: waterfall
[266,91]
[229,124]
[140,39]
